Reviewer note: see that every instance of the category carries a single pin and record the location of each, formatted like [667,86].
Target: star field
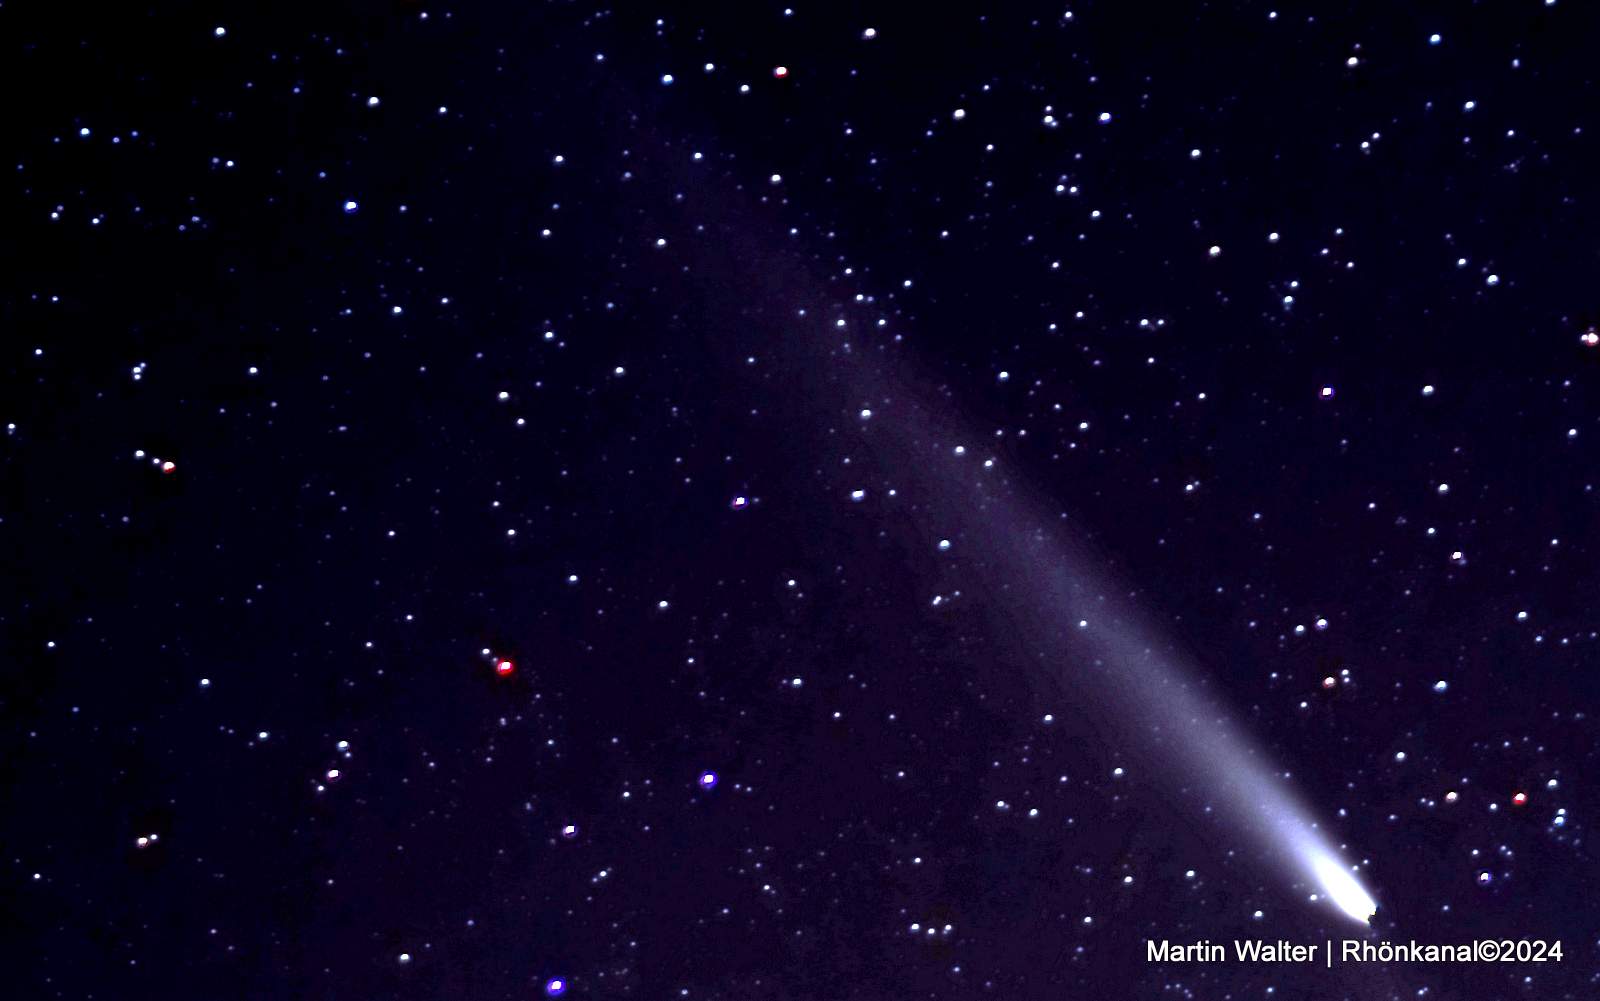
[506,501]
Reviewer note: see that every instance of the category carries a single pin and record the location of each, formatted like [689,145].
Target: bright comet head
[1342,888]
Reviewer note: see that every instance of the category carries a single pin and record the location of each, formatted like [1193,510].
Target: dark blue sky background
[354,514]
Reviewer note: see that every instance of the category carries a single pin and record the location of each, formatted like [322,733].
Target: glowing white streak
[1110,650]
[1064,613]
[1160,696]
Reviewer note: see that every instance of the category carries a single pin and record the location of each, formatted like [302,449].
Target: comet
[1086,635]
[1104,649]
[1158,691]
[1159,695]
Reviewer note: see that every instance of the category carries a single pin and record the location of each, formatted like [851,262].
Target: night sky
[511,499]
